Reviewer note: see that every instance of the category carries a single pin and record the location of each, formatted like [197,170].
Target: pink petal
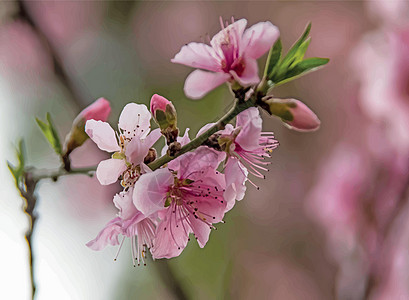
[123,201]
[198,55]
[250,123]
[250,73]
[135,120]
[232,32]
[103,135]
[199,83]
[107,236]
[109,170]
[171,237]
[195,162]
[236,176]
[259,38]
[150,191]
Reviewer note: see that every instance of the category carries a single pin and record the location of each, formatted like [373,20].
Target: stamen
[119,249]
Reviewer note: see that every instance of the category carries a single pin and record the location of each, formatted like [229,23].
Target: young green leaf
[289,58]
[274,56]
[50,133]
[302,68]
[17,171]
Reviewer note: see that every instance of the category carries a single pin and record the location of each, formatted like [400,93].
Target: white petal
[109,170]
[103,135]
[135,120]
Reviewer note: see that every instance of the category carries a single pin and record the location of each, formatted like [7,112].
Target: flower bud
[165,116]
[293,112]
[99,111]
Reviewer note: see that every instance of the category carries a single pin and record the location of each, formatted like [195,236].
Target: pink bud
[304,119]
[159,102]
[99,110]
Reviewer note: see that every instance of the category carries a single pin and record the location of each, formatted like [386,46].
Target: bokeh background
[331,218]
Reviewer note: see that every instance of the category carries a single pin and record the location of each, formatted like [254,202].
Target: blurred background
[329,222]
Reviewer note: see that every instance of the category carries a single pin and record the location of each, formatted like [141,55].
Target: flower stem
[237,108]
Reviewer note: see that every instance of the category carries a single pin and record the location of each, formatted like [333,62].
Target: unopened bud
[99,111]
[293,112]
[173,149]
[165,116]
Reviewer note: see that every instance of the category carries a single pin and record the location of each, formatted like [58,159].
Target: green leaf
[299,55]
[289,58]
[50,133]
[17,171]
[302,68]
[273,58]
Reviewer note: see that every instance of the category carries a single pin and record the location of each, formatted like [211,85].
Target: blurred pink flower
[336,202]
[130,223]
[231,56]
[189,199]
[382,60]
[131,147]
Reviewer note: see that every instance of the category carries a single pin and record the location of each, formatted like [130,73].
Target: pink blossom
[130,223]
[131,144]
[231,56]
[188,200]
[246,147]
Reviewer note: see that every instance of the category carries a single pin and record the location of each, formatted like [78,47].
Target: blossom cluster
[160,207]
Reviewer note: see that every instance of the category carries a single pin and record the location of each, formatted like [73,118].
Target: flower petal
[135,120]
[103,135]
[198,55]
[109,170]
[123,201]
[250,73]
[250,123]
[259,38]
[171,237]
[193,163]
[137,149]
[199,83]
[150,191]
[107,236]
[232,33]
[236,176]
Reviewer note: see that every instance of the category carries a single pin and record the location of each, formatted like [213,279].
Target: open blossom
[188,199]
[231,56]
[131,144]
[246,147]
[130,223]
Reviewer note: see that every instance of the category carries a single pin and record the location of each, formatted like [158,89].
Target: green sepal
[279,108]
[50,133]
